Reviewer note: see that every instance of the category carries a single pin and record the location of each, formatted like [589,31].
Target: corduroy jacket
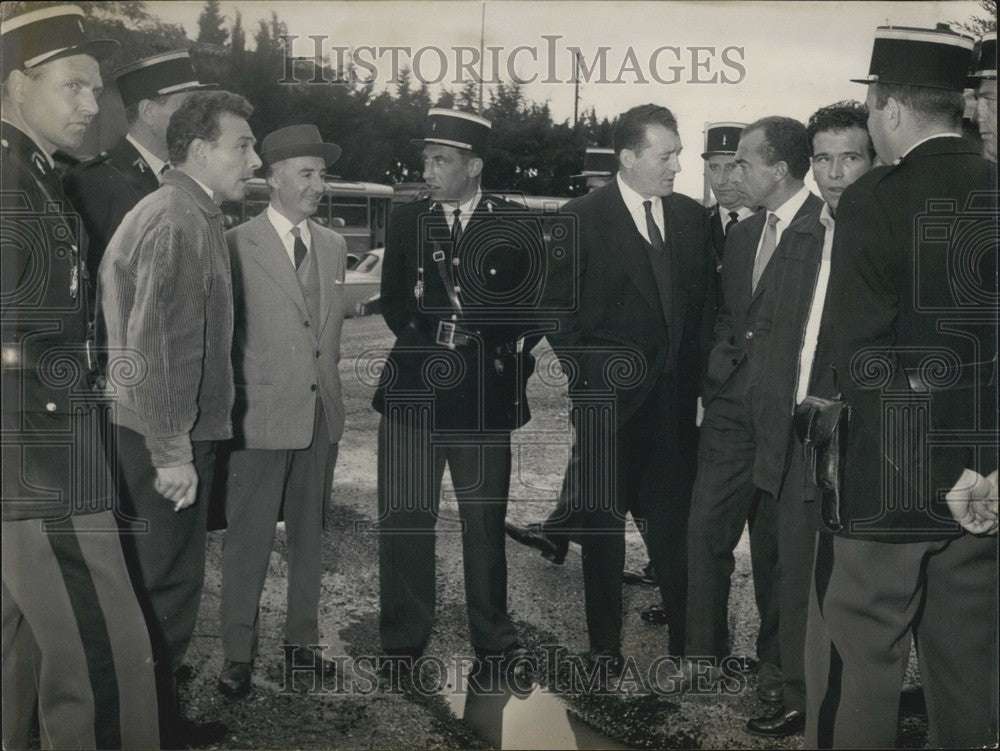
[165,294]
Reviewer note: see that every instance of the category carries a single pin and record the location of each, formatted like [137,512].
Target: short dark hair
[629,131]
[199,117]
[928,103]
[840,116]
[785,140]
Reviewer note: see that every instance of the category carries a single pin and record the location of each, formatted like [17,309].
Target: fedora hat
[297,140]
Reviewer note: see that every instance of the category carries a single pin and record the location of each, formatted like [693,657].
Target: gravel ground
[546,601]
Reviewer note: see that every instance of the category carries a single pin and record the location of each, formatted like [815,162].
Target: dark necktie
[299,248]
[456,230]
[655,238]
[733,219]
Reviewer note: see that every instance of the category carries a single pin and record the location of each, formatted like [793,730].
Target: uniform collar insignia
[40,162]
[141,164]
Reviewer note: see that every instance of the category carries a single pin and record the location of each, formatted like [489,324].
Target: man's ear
[893,113]
[147,111]
[780,169]
[16,82]
[474,166]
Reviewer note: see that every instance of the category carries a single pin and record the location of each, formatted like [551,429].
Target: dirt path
[545,600]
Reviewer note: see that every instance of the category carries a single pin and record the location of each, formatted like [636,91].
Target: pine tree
[210,24]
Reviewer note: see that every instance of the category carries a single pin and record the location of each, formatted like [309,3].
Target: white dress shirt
[283,226]
[155,163]
[741,213]
[808,352]
[634,201]
[466,208]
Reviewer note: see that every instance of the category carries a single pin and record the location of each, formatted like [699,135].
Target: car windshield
[368,262]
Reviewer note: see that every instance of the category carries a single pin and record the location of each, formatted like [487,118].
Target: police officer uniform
[722,138]
[451,392]
[75,646]
[104,189]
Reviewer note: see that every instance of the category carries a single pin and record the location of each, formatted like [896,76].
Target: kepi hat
[462,130]
[297,140]
[984,63]
[159,75]
[40,36]
[722,138]
[936,58]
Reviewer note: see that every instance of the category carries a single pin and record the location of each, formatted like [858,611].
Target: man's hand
[177,484]
[973,502]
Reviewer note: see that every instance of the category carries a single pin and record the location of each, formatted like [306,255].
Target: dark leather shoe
[185,733]
[552,548]
[307,657]
[654,614]
[646,577]
[513,660]
[770,683]
[234,680]
[778,724]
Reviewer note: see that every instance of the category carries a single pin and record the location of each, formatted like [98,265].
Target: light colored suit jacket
[283,361]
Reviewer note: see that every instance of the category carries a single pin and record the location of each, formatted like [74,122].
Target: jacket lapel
[269,253]
[620,233]
[812,203]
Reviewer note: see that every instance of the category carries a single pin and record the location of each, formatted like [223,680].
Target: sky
[706,61]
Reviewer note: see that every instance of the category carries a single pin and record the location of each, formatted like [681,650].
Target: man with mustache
[288,294]
[785,343]
[166,294]
[75,646]
[771,163]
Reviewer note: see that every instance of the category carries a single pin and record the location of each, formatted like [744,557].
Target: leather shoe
[234,680]
[552,548]
[778,724]
[770,683]
[514,659]
[645,577]
[655,614]
[307,657]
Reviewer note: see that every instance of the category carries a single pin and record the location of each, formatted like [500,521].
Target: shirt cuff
[170,451]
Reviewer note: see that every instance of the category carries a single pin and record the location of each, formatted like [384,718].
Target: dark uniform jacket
[910,329]
[479,385]
[778,336]
[44,325]
[621,331]
[104,190]
[734,329]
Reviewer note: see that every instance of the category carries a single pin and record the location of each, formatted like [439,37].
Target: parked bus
[358,211]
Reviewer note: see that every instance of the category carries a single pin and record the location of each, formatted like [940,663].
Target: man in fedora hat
[166,293]
[75,645]
[458,293]
[908,338]
[288,295]
[104,189]
[984,80]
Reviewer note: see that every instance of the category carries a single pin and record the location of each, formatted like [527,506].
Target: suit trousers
[74,639]
[411,462]
[167,562]
[724,499]
[635,466]
[867,600]
[262,483]
[796,547]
